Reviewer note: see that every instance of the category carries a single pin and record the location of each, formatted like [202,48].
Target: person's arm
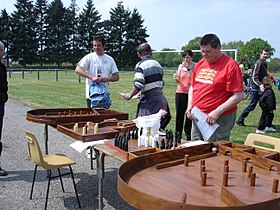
[190,99]
[230,103]
[132,93]
[113,78]
[80,71]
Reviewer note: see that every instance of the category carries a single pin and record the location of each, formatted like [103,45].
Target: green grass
[67,92]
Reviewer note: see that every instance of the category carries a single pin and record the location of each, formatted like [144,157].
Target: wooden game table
[108,149]
[212,176]
[60,116]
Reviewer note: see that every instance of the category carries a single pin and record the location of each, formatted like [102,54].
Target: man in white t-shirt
[97,66]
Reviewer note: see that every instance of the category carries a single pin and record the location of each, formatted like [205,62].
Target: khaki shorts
[226,123]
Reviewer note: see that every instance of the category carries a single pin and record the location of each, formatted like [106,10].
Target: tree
[135,35]
[194,44]
[73,35]
[58,35]
[40,10]
[89,25]
[233,45]
[24,43]
[274,65]
[165,58]
[119,18]
[251,50]
[5,32]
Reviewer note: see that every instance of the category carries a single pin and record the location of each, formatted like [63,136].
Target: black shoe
[3,172]
[240,123]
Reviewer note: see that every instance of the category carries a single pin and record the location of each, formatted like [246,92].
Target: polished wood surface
[227,186]
[106,129]
[65,115]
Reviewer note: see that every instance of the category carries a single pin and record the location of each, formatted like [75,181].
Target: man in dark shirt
[3,98]
[259,72]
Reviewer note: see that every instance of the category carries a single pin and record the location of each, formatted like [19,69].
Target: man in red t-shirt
[216,89]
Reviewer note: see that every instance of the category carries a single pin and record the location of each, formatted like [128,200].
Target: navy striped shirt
[148,74]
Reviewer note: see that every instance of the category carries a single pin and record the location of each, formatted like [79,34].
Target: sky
[173,23]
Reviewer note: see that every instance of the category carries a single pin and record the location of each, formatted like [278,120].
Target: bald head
[144,49]
[2,50]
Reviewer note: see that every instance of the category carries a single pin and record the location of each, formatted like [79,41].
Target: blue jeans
[253,103]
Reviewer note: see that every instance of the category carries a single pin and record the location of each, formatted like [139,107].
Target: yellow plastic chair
[48,162]
[254,139]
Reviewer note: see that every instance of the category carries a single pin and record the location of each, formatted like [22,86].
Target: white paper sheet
[193,143]
[81,146]
[136,96]
[200,119]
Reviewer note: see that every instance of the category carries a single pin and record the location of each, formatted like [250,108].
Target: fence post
[22,73]
[38,74]
[56,74]
[10,73]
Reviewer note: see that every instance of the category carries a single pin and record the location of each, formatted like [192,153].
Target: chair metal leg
[34,176]
[77,196]
[60,180]
[48,189]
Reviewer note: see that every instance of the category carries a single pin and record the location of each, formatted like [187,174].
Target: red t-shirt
[214,83]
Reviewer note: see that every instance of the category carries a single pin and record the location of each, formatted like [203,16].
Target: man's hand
[127,96]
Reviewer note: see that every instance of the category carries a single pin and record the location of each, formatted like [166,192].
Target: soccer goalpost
[174,58]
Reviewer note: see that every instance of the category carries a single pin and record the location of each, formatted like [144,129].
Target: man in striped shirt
[148,81]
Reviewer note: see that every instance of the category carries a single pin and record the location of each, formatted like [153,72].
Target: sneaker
[3,172]
[260,131]
[240,123]
[271,129]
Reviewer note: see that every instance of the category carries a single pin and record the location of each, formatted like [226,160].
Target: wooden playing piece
[244,165]
[250,170]
[184,198]
[253,179]
[226,162]
[226,169]
[202,162]
[275,185]
[225,179]
[203,179]
[202,170]
[186,160]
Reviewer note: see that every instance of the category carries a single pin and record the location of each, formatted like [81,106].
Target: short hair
[187,52]
[265,49]
[144,48]
[210,39]
[100,39]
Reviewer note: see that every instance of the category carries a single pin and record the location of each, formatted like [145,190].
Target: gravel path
[15,188]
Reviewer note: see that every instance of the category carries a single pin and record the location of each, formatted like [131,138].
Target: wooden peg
[226,169]
[203,179]
[202,170]
[202,162]
[244,166]
[184,198]
[186,160]
[225,179]
[253,179]
[226,162]
[250,171]
[275,185]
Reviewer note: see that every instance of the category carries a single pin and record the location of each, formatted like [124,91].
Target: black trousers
[266,119]
[181,103]
[2,111]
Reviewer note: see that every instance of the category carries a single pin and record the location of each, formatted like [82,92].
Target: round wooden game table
[157,181]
